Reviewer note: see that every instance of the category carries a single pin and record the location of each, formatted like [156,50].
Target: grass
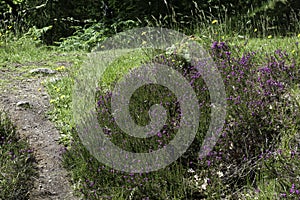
[16,162]
[271,171]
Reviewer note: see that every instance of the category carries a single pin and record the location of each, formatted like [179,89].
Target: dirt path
[32,123]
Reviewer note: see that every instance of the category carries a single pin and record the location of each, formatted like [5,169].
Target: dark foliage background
[66,16]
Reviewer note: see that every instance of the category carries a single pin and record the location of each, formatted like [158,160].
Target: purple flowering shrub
[259,113]
[151,94]
[260,110]
[141,101]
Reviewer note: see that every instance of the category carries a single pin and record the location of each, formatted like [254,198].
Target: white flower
[231,146]
[191,170]
[203,186]
[220,174]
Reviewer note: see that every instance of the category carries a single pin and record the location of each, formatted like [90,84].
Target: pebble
[43,71]
[23,103]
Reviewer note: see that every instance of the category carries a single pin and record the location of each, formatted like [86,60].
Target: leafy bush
[86,39]
[268,16]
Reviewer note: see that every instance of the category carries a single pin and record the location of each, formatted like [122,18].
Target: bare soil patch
[27,103]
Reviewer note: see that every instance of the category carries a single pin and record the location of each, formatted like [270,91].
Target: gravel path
[26,101]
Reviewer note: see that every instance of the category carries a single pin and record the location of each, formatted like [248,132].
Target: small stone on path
[42,71]
[23,104]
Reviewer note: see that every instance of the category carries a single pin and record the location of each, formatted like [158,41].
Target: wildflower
[270,107]
[61,68]
[283,195]
[292,190]
[52,101]
[144,42]
[293,155]
[192,37]
[298,35]
[255,30]
[208,163]
[144,33]
[214,21]
[39,89]
[220,174]
[214,45]
[191,170]
[231,146]
[159,134]
[9,27]
[204,185]
[270,36]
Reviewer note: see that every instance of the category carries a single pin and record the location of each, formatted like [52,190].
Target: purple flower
[292,190]
[283,195]
[208,163]
[214,45]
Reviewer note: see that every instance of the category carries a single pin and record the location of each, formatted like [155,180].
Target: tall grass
[16,162]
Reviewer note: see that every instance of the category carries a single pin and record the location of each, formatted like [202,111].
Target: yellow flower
[9,27]
[144,33]
[0,34]
[270,36]
[255,30]
[61,68]
[214,21]
[52,101]
[144,42]
[102,47]
[57,89]
[299,35]
[62,96]
[293,51]
[39,89]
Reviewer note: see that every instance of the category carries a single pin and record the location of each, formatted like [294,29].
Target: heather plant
[259,111]
[261,88]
